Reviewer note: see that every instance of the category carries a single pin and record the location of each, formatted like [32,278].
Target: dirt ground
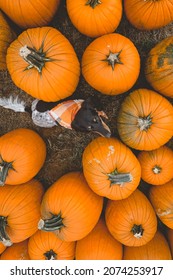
[65,147]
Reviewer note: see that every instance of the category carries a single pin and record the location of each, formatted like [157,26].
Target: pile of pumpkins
[99,212]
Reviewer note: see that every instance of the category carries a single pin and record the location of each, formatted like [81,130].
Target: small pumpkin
[145,120]
[110,168]
[22,154]
[2,247]
[47,246]
[161,197]
[17,251]
[156,165]
[99,245]
[158,66]
[111,64]
[94,18]
[156,249]
[70,208]
[149,14]
[131,221]
[43,63]
[19,211]
[30,13]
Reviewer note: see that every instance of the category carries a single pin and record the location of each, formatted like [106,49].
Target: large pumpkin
[30,13]
[99,244]
[111,64]
[110,168]
[22,154]
[70,208]
[149,14]
[47,246]
[145,120]
[43,63]
[131,221]
[19,211]
[17,251]
[94,18]
[158,66]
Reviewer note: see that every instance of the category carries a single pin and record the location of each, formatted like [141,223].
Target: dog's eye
[89,127]
[94,120]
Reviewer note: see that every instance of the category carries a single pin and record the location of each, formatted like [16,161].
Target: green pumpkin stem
[4,238]
[113,59]
[52,224]
[50,255]
[137,231]
[93,3]
[4,168]
[119,178]
[144,123]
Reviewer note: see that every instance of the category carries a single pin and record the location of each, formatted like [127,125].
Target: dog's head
[89,118]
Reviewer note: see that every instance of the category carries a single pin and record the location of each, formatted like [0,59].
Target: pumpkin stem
[4,168]
[93,3]
[119,178]
[4,238]
[51,224]
[144,123]
[34,58]
[113,58]
[50,255]
[137,231]
[156,169]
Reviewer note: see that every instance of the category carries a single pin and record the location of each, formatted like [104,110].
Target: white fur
[13,103]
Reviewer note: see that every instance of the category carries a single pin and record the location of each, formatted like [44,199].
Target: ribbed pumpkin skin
[122,215]
[161,198]
[95,19]
[149,14]
[156,165]
[27,152]
[156,249]
[158,66]
[104,156]
[145,120]
[2,247]
[100,74]
[79,206]
[18,251]
[99,245]
[58,78]
[42,242]
[30,13]
[20,204]
[6,37]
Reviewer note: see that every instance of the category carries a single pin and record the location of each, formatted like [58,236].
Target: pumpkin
[70,208]
[94,18]
[22,154]
[131,221]
[2,247]
[145,120]
[161,197]
[149,14]
[47,246]
[6,37]
[111,64]
[156,249]
[158,66]
[169,235]
[18,251]
[43,63]
[30,13]
[19,211]
[99,245]
[110,168]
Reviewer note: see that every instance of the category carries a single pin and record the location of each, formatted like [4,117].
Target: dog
[80,115]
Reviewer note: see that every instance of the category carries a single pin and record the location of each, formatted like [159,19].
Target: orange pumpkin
[158,67]
[161,197]
[70,208]
[47,246]
[156,249]
[145,120]
[110,168]
[19,211]
[30,13]
[2,247]
[6,37]
[156,165]
[131,221]
[169,235]
[149,14]
[99,245]
[22,154]
[18,251]
[111,64]
[43,63]
[94,18]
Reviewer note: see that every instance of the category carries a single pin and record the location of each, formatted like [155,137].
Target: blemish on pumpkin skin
[162,213]
[94,159]
[111,150]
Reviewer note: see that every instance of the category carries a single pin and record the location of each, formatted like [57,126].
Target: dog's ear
[92,102]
